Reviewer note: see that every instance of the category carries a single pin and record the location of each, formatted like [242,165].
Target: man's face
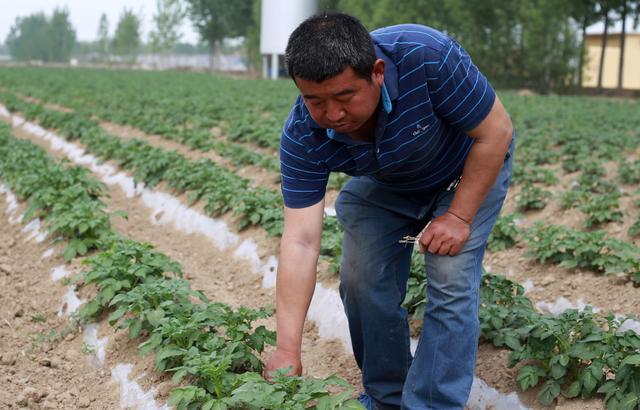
[344,102]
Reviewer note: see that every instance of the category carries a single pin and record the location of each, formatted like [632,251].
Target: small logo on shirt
[420,130]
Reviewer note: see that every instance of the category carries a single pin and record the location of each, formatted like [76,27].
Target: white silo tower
[279,19]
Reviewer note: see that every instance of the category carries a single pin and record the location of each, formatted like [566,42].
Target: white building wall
[279,19]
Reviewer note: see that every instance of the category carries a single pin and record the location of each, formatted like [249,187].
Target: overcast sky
[85,15]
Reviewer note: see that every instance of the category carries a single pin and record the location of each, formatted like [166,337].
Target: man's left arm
[447,234]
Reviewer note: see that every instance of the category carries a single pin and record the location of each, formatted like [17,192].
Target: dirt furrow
[44,364]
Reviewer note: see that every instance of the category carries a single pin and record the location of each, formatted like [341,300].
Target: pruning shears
[408,239]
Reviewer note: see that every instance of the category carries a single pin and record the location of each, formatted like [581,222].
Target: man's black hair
[325,44]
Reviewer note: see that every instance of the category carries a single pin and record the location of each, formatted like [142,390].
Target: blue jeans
[373,277]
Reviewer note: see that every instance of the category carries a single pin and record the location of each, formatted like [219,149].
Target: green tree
[379,13]
[62,36]
[217,19]
[585,13]
[37,37]
[188,48]
[606,7]
[626,9]
[27,39]
[362,9]
[492,32]
[328,5]
[516,43]
[167,20]
[103,37]
[548,45]
[126,40]
[253,36]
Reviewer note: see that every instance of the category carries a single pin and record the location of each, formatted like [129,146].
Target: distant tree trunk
[212,54]
[605,37]
[622,38]
[523,49]
[582,50]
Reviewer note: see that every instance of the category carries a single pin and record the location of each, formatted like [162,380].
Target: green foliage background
[521,43]
[126,41]
[41,37]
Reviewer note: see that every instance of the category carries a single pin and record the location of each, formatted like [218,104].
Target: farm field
[188,164]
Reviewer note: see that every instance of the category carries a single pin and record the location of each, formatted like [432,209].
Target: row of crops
[574,354]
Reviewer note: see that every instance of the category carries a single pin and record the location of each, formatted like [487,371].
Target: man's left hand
[445,235]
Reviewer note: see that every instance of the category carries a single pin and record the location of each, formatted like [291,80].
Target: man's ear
[377,75]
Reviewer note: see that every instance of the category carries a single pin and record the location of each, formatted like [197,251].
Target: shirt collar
[390,74]
[386,99]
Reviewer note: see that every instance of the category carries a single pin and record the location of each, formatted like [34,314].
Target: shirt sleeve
[304,179]
[459,92]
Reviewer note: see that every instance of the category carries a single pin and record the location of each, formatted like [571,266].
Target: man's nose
[335,113]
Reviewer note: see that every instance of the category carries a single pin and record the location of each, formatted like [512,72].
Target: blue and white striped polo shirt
[432,93]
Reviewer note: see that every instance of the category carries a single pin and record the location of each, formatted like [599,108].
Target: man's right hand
[282,359]
[295,283]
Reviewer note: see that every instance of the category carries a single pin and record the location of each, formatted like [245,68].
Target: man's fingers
[445,248]
[269,373]
[282,360]
[433,242]
[425,240]
[441,238]
[455,249]
[434,245]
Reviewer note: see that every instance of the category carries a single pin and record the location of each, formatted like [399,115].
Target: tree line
[538,44]
[40,37]
[518,43]
[53,38]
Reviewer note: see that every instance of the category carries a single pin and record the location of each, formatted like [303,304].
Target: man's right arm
[296,280]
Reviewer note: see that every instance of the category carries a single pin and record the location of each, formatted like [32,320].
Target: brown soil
[39,370]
